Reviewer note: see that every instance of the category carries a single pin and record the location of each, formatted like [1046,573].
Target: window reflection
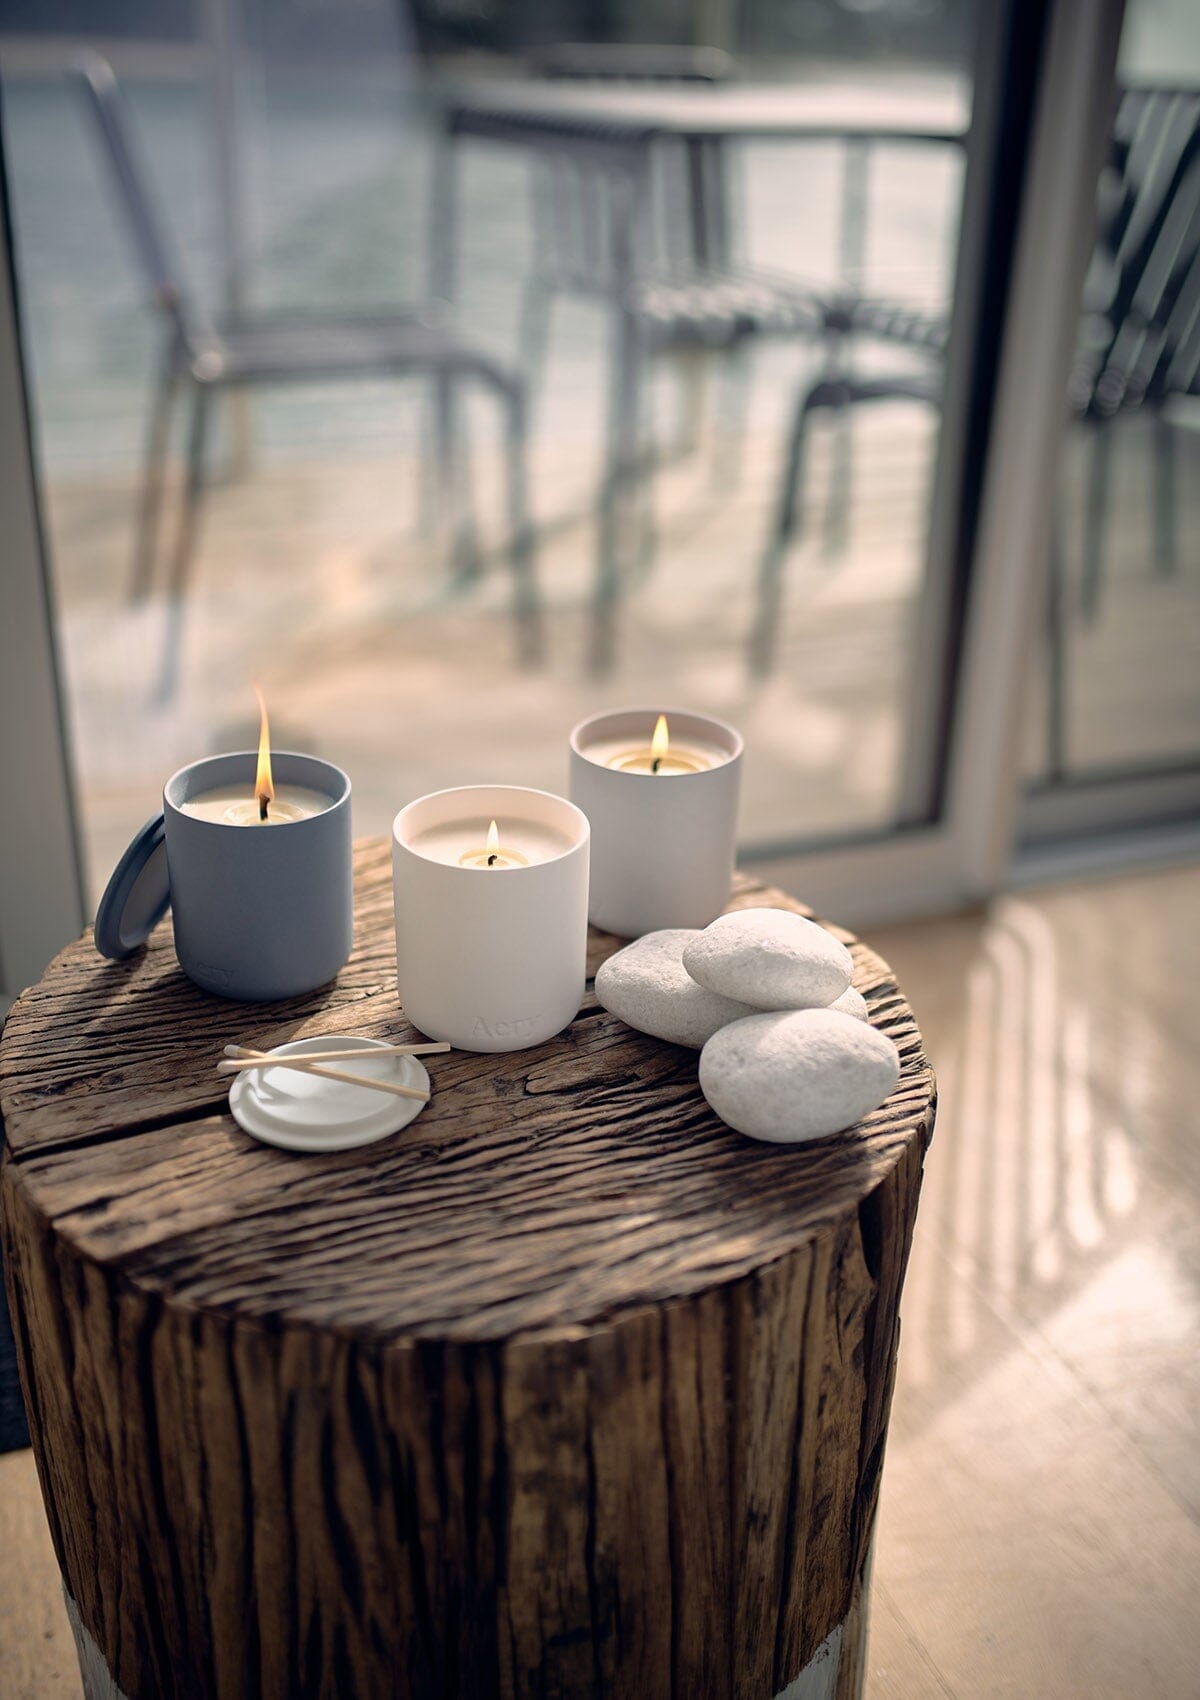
[474,377]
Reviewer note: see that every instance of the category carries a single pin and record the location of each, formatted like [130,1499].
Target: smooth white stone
[770,959]
[797,1074]
[647,985]
[853,1003]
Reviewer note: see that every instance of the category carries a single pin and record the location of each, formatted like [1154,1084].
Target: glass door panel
[351,540]
[1119,699]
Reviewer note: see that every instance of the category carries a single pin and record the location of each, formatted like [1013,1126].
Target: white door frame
[969,852]
[41,885]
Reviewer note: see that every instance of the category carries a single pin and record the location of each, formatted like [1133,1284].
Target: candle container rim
[592,721]
[336,800]
[574,813]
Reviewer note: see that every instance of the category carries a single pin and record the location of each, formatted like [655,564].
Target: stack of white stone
[787,1051]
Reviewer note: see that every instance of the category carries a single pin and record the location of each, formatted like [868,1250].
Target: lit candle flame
[492,844]
[264,790]
[660,743]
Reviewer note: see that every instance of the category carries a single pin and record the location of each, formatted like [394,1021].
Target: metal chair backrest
[155,249]
[1142,328]
[572,211]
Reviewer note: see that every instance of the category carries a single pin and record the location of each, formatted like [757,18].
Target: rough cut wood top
[538,1191]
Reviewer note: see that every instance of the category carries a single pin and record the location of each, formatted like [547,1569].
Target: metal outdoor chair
[652,234]
[685,227]
[680,289]
[1139,349]
[688,221]
[207,356]
[1139,345]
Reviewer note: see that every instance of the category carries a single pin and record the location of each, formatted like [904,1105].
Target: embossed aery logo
[520,1027]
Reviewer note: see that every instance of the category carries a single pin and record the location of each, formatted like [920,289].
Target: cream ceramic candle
[235,806]
[491,891]
[660,789]
[661,755]
[264,803]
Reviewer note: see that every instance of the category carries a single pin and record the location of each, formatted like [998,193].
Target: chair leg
[454,493]
[841,448]
[1093,521]
[841,483]
[643,514]
[619,478]
[691,370]
[150,508]
[527,608]
[1166,553]
[442,247]
[185,544]
[732,408]
[533,338]
[788,516]
[427,471]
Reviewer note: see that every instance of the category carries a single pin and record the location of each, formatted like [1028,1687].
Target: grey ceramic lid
[137,896]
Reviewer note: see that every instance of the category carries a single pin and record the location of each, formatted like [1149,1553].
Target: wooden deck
[314,578]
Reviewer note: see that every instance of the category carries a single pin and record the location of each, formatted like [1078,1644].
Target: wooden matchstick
[303,1066]
[426,1050]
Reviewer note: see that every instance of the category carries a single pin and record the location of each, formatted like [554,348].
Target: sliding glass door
[822,392]
[787,460]
[1114,724]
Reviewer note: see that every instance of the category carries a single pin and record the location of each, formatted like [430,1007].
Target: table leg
[622,469]
[435,496]
[852,260]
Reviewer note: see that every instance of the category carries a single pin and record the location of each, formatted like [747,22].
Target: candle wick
[262,806]
[654,765]
[492,860]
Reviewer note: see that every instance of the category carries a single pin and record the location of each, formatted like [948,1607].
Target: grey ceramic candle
[262,909]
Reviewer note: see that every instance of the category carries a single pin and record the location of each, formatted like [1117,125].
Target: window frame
[41,870]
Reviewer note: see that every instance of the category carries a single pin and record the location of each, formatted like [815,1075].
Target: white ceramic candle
[664,823]
[491,937]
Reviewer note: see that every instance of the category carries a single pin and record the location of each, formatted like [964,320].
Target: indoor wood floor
[1040,1532]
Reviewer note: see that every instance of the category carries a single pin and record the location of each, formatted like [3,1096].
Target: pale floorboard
[1040,1524]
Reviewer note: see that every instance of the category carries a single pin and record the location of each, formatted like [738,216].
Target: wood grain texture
[565,1390]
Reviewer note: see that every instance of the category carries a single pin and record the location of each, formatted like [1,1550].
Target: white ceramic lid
[298,1111]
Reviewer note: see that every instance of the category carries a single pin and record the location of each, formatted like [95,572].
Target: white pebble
[853,1003]
[770,959]
[797,1074]
[647,985]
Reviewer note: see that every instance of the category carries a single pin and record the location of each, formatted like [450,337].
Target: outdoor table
[610,132]
[518,107]
[617,123]
[565,1390]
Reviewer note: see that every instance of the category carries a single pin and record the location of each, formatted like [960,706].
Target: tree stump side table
[566,1390]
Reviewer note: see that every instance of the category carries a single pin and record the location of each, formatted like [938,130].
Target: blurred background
[833,366]
[550,357]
